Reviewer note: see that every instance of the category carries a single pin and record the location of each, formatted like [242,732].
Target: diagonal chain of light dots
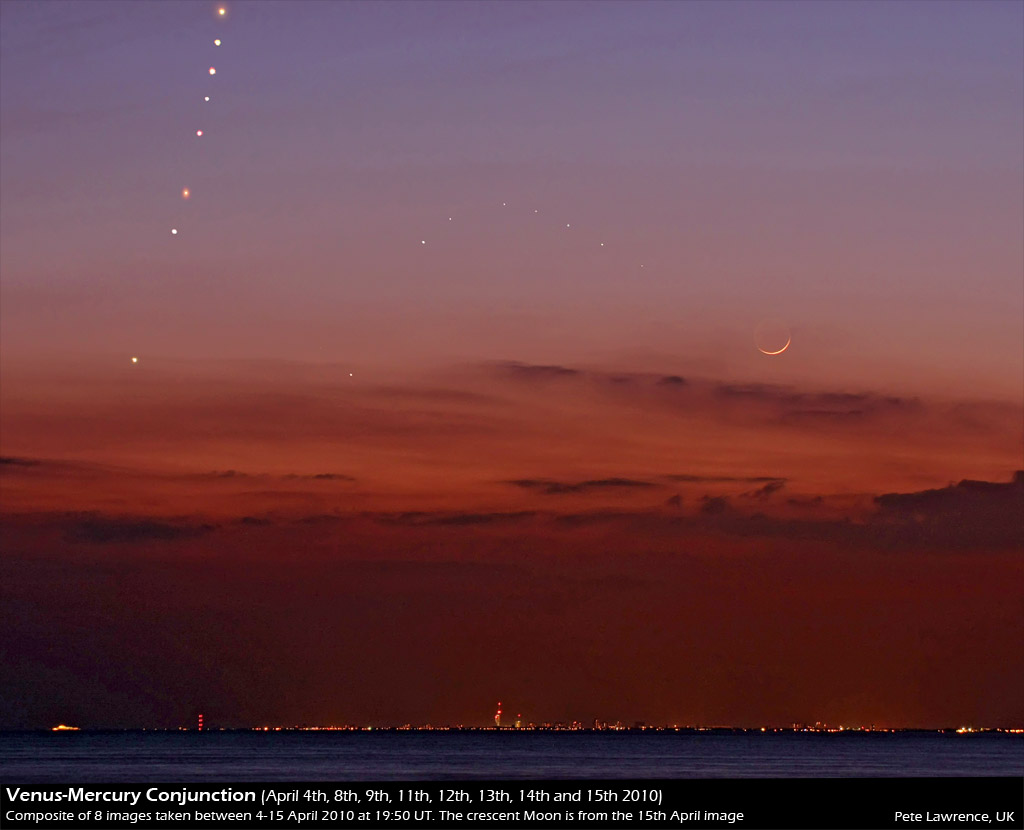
[221,13]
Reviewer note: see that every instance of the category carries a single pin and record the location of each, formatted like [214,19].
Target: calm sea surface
[172,757]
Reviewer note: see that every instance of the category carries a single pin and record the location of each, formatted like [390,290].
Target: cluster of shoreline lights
[577,726]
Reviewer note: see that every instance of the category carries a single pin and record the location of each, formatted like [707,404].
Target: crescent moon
[780,351]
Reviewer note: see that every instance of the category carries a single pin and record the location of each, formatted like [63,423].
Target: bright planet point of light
[217,42]
[213,70]
[135,360]
[199,133]
[222,11]
[206,98]
[185,193]
[174,231]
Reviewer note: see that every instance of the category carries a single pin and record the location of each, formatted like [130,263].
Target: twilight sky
[452,360]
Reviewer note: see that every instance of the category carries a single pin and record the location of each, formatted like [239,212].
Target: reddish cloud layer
[298,548]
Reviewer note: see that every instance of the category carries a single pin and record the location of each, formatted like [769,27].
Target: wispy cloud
[722,479]
[551,487]
[443,518]
[533,371]
[97,529]
[12,461]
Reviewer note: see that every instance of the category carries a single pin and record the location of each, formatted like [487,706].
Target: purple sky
[453,359]
[854,169]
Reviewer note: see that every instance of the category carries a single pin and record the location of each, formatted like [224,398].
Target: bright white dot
[350,374]
[174,231]
[423,242]
[536,211]
[568,225]
[199,133]
[449,219]
[213,70]
[602,244]
[217,42]
[135,360]
[504,204]
[222,11]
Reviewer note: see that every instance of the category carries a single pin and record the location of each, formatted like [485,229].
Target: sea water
[93,757]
